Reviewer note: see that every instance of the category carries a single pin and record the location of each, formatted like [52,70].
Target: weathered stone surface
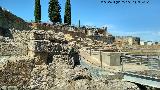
[37,35]
[61,76]
[9,88]
[35,74]
[39,45]
[16,71]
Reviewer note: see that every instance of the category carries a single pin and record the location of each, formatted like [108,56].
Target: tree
[54,11]
[37,11]
[67,15]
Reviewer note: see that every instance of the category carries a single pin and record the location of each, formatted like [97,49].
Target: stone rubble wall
[58,75]
[23,73]
[24,41]
[13,49]
[61,76]
[17,46]
[32,73]
[16,71]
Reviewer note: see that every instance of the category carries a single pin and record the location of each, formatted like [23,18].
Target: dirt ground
[95,61]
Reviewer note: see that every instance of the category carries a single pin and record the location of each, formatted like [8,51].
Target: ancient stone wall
[16,71]
[24,40]
[17,46]
[32,72]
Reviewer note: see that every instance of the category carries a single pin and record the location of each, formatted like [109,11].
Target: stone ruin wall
[31,72]
[16,46]
[21,42]
[16,71]
[24,74]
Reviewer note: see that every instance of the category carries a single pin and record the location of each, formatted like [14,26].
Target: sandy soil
[94,60]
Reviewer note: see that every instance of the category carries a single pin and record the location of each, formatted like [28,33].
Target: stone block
[37,35]
[111,58]
[38,45]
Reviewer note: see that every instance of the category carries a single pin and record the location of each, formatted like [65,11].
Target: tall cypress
[54,11]
[37,11]
[67,15]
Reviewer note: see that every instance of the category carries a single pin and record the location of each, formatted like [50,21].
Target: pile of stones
[16,71]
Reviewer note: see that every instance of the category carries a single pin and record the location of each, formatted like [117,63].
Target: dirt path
[96,62]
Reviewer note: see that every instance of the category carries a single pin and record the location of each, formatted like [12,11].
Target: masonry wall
[16,71]
[17,46]
[111,58]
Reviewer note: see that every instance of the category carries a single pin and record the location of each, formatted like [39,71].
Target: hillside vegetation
[10,21]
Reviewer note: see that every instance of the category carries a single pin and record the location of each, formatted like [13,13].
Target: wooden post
[141,59]
[101,58]
[122,63]
[148,60]
[90,51]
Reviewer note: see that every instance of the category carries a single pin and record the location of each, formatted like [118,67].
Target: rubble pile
[40,78]
[58,75]
[16,46]
[67,76]
[61,76]
[16,71]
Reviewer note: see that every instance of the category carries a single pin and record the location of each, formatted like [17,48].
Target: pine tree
[37,11]
[54,11]
[67,15]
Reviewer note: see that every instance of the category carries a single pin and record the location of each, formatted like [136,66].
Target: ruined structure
[49,63]
[100,34]
[127,40]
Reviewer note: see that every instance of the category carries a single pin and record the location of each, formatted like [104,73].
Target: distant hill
[10,21]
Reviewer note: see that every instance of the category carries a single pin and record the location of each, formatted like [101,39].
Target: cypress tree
[37,11]
[54,11]
[67,15]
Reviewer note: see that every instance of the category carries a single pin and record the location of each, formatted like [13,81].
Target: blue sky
[141,20]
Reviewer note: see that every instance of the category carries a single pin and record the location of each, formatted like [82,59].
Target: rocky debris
[58,75]
[66,76]
[80,73]
[16,71]
[39,78]
[3,59]
[9,88]
[37,35]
